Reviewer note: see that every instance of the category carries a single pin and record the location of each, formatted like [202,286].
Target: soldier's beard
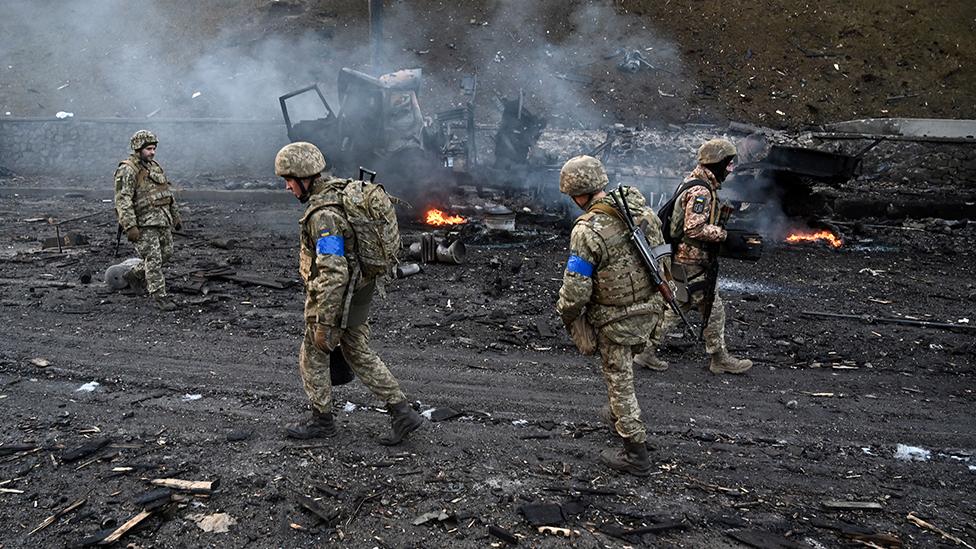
[306,192]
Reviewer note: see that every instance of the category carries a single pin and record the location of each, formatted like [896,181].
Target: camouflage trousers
[618,373]
[155,247]
[368,367]
[714,332]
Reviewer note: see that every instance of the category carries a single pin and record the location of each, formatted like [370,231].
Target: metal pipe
[376,34]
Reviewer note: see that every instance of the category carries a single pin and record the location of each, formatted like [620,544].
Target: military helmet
[582,175]
[142,138]
[300,160]
[714,150]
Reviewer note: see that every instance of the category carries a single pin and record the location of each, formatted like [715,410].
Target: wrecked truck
[377,125]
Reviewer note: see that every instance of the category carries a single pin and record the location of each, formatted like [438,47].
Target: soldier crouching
[608,300]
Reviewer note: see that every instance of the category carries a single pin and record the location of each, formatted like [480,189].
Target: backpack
[666,213]
[369,210]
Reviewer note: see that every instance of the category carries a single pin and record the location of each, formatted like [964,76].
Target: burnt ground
[817,419]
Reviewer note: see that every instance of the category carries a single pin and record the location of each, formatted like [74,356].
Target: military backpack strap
[605,208]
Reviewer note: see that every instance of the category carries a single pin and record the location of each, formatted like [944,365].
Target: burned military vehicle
[378,125]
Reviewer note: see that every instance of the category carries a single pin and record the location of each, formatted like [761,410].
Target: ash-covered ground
[202,393]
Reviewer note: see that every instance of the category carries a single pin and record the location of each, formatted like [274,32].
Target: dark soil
[818,418]
[777,63]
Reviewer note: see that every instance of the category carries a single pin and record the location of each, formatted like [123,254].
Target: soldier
[147,211]
[695,229]
[336,295]
[607,294]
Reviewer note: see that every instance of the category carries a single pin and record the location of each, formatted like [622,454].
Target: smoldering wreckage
[851,290]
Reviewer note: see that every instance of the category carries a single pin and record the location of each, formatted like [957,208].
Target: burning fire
[815,236]
[437,217]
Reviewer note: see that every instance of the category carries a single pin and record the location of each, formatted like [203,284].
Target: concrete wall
[93,147]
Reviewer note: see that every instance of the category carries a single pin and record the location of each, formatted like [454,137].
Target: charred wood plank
[85,449]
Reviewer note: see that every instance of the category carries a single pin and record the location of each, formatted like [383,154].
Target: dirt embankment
[776,63]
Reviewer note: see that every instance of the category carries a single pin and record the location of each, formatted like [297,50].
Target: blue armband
[331,245]
[578,265]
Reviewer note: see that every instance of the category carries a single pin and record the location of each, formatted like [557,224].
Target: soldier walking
[147,213]
[608,300]
[696,229]
[338,292]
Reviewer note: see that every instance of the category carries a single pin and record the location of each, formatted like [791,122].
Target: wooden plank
[121,530]
[192,486]
[838,505]
[51,519]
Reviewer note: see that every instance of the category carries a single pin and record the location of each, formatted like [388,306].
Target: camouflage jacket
[327,260]
[143,197]
[605,279]
[697,210]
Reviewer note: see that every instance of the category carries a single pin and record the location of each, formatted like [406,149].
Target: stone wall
[93,147]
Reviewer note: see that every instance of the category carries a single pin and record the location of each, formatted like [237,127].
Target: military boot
[318,426]
[164,303]
[404,420]
[724,363]
[631,459]
[648,359]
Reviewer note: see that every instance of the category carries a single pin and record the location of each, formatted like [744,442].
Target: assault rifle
[118,239]
[646,254]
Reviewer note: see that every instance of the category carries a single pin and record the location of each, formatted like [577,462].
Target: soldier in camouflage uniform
[607,289]
[337,299]
[694,221]
[146,210]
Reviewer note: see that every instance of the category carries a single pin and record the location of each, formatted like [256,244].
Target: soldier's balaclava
[721,169]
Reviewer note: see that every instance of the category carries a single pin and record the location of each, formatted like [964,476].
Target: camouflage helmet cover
[299,159]
[582,175]
[142,138]
[714,150]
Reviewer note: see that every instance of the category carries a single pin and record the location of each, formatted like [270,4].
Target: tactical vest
[677,227]
[622,280]
[151,191]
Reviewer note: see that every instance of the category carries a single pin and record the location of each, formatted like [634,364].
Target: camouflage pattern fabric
[299,159]
[618,373]
[333,284]
[606,281]
[696,210]
[714,151]
[141,139]
[617,297]
[582,175]
[368,367]
[155,247]
[330,278]
[715,331]
[143,197]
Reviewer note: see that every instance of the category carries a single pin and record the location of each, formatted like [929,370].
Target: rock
[218,523]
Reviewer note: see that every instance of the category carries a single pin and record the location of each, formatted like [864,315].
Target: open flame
[437,217]
[815,236]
